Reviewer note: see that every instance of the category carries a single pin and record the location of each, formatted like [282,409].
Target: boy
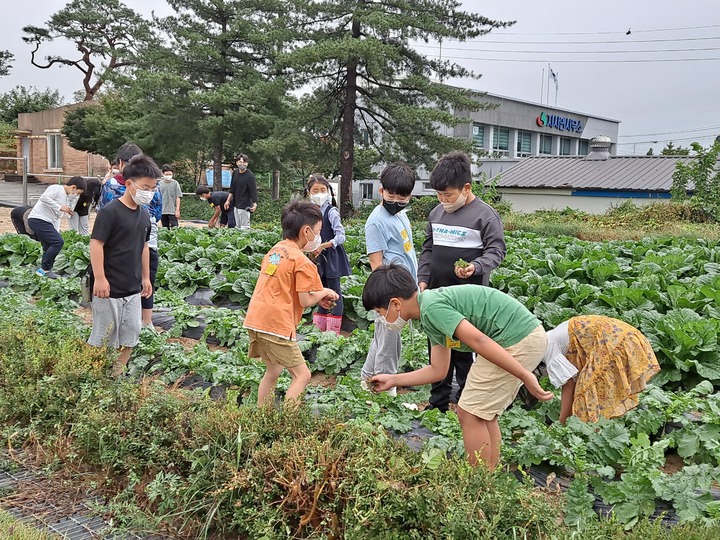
[44,220]
[461,227]
[508,340]
[120,260]
[388,238]
[171,194]
[79,219]
[288,283]
[217,200]
[243,195]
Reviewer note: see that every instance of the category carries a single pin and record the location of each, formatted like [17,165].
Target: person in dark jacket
[243,192]
[89,198]
[461,227]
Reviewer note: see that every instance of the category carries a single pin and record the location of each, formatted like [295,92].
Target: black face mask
[393,207]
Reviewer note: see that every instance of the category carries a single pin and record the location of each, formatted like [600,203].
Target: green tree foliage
[22,99]
[6,57]
[107,35]
[701,176]
[672,150]
[368,77]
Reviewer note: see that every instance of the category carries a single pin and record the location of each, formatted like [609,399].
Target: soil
[673,463]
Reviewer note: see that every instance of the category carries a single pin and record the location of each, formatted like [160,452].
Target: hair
[79,182]
[452,170]
[141,167]
[318,178]
[297,214]
[386,282]
[128,151]
[398,178]
[115,162]
[244,157]
[202,190]
[167,168]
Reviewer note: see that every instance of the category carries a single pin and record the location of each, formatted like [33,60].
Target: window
[54,150]
[583,148]
[546,144]
[478,135]
[366,190]
[501,140]
[564,146]
[426,186]
[524,143]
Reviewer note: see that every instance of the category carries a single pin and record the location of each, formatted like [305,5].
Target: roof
[546,106]
[626,173]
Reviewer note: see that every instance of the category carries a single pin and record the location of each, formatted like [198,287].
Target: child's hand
[466,272]
[383,382]
[536,390]
[329,301]
[146,289]
[318,251]
[67,210]
[101,289]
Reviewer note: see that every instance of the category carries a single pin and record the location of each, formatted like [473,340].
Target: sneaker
[40,272]
[51,274]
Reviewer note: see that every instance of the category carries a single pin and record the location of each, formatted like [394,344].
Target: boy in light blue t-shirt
[388,239]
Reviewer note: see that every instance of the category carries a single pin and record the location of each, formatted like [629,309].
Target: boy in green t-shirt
[508,340]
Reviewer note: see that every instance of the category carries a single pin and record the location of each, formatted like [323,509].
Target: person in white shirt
[44,220]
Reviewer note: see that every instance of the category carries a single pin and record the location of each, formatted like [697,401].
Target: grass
[11,529]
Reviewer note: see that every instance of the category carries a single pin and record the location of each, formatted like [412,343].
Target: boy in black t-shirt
[217,200]
[120,260]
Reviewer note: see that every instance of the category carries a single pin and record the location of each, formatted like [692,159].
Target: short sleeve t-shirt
[497,315]
[170,192]
[393,236]
[275,304]
[218,198]
[123,232]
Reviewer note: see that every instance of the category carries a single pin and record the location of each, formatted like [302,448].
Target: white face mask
[312,246]
[143,197]
[115,171]
[319,198]
[453,206]
[167,178]
[397,325]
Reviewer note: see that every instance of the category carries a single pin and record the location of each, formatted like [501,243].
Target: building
[50,157]
[591,183]
[509,130]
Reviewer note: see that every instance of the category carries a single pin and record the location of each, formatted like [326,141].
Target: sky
[661,80]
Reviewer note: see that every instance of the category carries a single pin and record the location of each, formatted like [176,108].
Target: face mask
[312,246]
[116,171]
[397,325]
[143,197]
[452,207]
[319,198]
[167,178]
[242,168]
[393,207]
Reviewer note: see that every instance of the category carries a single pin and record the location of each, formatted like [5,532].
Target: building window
[366,190]
[583,147]
[564,146]
[546,144]
[524,143]
[54,150]
[426,186]
[478,135]
[501,140]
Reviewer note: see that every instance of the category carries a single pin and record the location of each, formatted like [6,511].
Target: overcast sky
[650,80]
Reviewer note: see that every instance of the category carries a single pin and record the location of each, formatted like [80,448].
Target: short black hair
[141,167]
[115,161]
[296,214]
[398,178]
[244,157]
[453,170]
[79,182]
[167,168]
[128,151]
[202,190]
[386,282]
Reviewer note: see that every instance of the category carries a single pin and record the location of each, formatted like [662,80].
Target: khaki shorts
[489,389]
[274,349]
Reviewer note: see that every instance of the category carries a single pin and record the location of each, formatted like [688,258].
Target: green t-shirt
[497,315]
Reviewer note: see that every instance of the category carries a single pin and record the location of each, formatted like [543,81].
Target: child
[120,260]
[171,194]
[89,197]
[289,282]
[388,238]
[217,200]
[601,364]
[331,258]
[461,227]
[44,220]
[508,340]
[243,197]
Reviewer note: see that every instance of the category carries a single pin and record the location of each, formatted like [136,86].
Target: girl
[601,364]
[331,258]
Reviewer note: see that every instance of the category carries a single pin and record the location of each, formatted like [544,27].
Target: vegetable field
[660,460]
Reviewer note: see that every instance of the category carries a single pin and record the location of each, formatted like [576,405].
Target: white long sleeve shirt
[560,369]
[48,206]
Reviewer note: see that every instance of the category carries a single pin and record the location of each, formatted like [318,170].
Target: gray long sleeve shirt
[473,233]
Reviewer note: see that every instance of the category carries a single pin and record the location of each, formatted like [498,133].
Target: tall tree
[108,35]
[26,100]
[6,57]
[368,76]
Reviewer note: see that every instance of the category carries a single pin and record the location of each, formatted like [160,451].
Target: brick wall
[74,162]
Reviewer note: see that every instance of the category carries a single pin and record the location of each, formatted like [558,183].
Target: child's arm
[48,198]
[566,400]
[146,284]
[338,231]
[375,259]
[177,199]
[101,289]
[309,299]
[424,263]
[214,218]
[492,352]
[493,238]
[436,371]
